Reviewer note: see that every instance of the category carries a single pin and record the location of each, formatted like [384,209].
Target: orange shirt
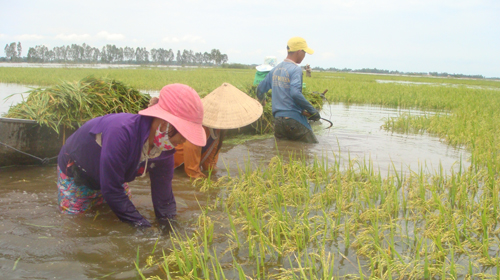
[193,158]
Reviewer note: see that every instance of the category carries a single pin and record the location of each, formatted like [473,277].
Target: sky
[453,36]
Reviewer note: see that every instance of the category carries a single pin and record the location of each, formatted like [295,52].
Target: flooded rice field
[37,242]
[357,134]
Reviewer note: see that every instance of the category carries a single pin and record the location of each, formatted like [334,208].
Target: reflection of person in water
[105,153]
[224,108]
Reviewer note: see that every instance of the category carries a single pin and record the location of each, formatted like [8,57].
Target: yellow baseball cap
[297,44]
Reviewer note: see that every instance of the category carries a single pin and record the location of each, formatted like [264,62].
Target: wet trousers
[288,128]
[73,199]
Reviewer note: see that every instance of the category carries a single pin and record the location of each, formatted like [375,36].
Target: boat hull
[24,142]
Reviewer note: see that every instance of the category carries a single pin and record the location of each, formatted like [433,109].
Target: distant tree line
[381,71]
[13,51]
[238,66]
[75,53]
[84,53]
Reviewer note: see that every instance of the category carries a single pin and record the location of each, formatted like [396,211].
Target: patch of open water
[42,243]
[435,84]
[9,89]
[357,134]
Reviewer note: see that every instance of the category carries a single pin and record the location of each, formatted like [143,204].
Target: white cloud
[255,52]
[327,55]
[2,35]
[73,37]
[185,38]
[282,52]
[28,37]
[233,51]
[110,36]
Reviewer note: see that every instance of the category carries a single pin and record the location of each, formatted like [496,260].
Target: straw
[227,107]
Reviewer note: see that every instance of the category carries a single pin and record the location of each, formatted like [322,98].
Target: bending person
[224,108]
[196,158]
[107,152]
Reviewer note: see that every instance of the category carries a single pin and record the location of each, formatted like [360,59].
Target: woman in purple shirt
[106,152]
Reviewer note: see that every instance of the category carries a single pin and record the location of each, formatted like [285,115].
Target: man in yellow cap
[290,107]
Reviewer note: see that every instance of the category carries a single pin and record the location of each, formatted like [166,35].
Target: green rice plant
[71,104]
[15,263]
[282,220]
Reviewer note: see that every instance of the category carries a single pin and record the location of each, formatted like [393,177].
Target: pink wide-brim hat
[181,106]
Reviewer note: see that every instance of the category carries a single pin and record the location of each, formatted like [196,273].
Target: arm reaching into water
[113,156]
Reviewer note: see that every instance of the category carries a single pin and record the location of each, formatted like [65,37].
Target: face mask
[161,140]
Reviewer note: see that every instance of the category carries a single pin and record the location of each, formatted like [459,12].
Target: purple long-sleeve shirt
[118,161]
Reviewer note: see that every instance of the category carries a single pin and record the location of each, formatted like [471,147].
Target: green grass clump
[70,104]
[294,219]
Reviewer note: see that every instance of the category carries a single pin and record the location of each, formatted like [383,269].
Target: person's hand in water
[151,231]
[315,117]
[167,225]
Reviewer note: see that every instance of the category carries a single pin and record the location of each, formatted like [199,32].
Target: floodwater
[37,242]
[356,135]
[11,89]
[435,84]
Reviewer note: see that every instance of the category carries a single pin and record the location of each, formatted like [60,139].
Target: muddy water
[38,242]
[356,134]
[47,244]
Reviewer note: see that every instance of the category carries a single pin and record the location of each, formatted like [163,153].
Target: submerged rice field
[332,217]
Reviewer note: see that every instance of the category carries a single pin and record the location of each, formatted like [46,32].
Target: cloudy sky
[454,36]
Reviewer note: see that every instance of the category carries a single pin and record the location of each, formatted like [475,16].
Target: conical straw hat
[228,107]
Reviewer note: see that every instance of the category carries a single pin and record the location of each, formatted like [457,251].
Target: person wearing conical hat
[224,108]
[290,108]
[262,70]
[195,158]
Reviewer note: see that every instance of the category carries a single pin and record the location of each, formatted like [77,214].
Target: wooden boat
[24,142]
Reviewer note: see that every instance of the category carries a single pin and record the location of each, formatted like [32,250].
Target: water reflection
[356,134]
